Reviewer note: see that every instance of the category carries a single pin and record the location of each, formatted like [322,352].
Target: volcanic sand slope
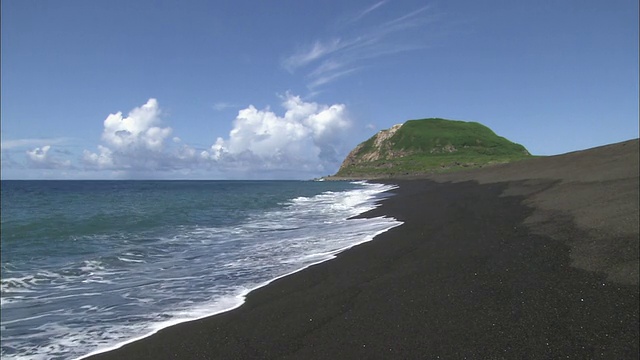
[595,189]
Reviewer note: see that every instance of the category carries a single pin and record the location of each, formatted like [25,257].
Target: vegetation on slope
[427,146]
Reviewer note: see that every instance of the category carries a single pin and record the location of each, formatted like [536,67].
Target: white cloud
[327,61]
[327,77]
[103,159]
[39,154]
[40,158]
[18,143]
[308,137]
[366,11]
[317,50]
[132,142]
[137,130]
[307,140]
[219,106]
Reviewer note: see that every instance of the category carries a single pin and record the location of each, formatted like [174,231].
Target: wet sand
[536,259]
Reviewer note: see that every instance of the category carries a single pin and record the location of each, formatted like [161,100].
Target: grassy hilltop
[428,146]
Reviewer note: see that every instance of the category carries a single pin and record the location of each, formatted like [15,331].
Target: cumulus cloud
[134,141]
[39,154]
[102,159]
[309,136]
[138,130]
[41,158]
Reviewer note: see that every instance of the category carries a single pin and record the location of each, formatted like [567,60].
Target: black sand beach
[531,260]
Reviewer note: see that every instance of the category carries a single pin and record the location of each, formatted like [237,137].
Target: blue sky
[284,89]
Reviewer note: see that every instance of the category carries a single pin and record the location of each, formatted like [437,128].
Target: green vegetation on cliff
[427,146]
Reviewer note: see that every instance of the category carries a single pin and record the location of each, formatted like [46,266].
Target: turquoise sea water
[89,265]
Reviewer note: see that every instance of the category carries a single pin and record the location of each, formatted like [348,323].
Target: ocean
[90,265]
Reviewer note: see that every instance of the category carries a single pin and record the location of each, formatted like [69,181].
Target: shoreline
[242,296]
[483,266]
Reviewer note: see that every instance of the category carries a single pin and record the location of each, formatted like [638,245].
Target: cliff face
[429,145]
[381,149]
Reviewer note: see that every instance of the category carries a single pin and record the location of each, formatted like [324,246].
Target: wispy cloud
[316,51]
[409,19]
[325,61]
[22,143]
[366,11]
[220,106]
[326,77]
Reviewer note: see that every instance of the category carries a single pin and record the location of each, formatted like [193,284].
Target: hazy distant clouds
[307,138]
[42,159]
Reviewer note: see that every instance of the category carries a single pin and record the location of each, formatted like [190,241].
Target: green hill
[427,146]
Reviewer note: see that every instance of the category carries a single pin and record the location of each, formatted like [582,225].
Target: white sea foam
[90,266]
[350,203]
[195,272]
[130,260]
